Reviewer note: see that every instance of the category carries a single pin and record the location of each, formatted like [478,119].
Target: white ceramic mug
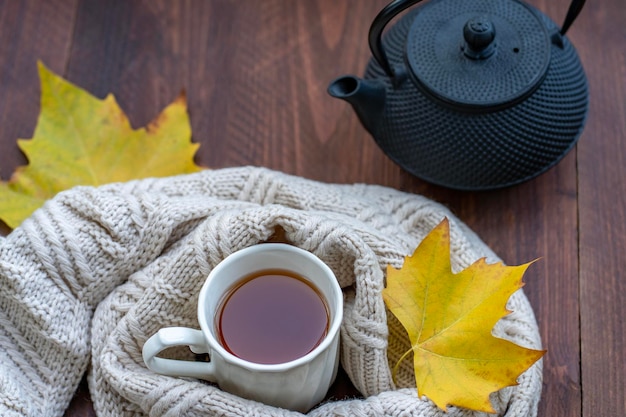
[299,384]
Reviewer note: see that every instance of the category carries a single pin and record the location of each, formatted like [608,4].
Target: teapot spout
[367,97]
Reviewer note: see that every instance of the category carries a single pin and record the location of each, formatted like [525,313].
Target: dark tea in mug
[272,316]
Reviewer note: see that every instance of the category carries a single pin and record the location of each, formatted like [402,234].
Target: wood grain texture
[602,202]
[29,31]
[255,74]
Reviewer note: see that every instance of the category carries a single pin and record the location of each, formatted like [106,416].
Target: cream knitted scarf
[91,275]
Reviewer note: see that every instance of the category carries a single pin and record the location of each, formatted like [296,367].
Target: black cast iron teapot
[471,94]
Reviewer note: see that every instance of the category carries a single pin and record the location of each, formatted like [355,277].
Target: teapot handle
[376,30]
[397,6]
[572,13]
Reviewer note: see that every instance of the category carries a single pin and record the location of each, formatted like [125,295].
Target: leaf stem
[394,371]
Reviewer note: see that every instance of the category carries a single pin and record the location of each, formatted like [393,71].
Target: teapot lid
[478,55]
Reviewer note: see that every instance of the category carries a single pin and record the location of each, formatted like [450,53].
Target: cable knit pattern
[96,271]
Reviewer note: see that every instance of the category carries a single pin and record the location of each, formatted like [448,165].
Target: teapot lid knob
[477,55]
[479,34]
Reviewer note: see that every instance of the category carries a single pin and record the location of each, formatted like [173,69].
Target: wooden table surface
[255,74]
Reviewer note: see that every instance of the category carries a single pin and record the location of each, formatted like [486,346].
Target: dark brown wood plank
[602,200]
[255,74]
[29,31]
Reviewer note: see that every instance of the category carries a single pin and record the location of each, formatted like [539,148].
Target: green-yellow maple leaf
[449,318]
[82,140]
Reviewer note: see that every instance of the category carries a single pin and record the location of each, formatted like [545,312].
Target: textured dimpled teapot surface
[439,58]
[481,148]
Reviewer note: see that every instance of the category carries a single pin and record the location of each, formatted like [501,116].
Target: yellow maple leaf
[449,318]
[82,140]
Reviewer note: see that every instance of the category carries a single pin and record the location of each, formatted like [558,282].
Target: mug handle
[178,336]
